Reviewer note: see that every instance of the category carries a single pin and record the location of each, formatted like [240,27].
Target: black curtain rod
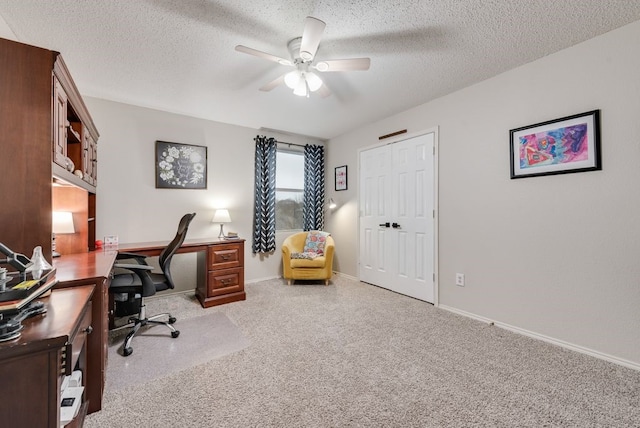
[290,144]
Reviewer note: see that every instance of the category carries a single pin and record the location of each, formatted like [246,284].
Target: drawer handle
[225,256]
[88,330]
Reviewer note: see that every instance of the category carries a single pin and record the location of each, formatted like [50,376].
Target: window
[289,190]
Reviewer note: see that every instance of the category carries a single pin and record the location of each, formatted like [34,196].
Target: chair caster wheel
[175,334]
[127,351]
[172,320]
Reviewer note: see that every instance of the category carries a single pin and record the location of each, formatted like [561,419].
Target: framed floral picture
[180,166]
[341,177]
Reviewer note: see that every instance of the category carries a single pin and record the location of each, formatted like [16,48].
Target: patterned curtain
[264,217]
[313,212]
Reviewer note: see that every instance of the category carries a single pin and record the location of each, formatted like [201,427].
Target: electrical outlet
[460,279]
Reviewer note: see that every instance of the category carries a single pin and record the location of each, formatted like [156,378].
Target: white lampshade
[302,82]
[221,216]
[313,81]
[292,79]
[63,222]
[301,89]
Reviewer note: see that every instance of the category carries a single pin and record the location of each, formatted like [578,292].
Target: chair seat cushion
[130,282]
[317,262]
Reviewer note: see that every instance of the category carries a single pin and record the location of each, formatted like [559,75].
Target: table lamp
[62,223]
[221,216]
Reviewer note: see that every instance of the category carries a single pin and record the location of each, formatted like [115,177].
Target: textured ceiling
[178,55]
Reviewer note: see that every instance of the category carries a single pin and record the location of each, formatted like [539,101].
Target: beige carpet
[354,355]
[157,354]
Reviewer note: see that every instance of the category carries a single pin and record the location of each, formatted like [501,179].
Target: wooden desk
[220,266]
[92,268]
[220,280]
[32,366]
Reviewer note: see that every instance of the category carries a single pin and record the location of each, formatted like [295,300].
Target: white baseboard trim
[251,281]
[267,278]
[344,275]
[548,339]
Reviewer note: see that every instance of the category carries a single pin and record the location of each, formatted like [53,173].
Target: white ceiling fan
[303,80]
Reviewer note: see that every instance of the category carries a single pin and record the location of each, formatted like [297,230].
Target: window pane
[289,170]
[289,209]
[289,190]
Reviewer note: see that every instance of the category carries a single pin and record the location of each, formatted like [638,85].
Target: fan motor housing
[294,49]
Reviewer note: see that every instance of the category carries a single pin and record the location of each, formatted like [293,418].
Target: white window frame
[288,187]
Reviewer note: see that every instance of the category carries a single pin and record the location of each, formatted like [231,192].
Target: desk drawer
[225,281]
[226,256]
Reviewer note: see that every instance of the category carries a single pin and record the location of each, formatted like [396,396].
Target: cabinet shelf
[73,137]
[62,174]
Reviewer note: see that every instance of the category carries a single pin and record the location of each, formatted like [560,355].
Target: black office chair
[132,282]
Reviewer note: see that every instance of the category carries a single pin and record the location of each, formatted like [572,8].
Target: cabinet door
[59,124]
[89,158]
[93,150]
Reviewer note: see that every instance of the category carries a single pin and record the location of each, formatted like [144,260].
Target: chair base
[136,322]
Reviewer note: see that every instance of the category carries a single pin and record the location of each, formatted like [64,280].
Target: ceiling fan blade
[324,91]
[354,64]
[313,29]
[263,55]
[274,83]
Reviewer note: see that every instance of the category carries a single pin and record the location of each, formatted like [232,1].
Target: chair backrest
[170,250]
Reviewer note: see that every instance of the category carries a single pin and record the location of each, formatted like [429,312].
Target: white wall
[5,30]
[129,205]
[558,256]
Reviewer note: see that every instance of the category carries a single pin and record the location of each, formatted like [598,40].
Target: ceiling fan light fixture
[301,89]
[313,81]
[306,76]
[292,79]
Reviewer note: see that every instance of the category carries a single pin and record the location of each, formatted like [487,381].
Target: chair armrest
[142,272]
[286,251]
[132,266]
[288,247]
[139,258]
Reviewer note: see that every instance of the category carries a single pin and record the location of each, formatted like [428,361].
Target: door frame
[396,139]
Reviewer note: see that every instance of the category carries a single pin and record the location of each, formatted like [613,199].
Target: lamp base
[221,235]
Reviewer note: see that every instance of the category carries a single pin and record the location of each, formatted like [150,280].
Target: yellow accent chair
[319,267]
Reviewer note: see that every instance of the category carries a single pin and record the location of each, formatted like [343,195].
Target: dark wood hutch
[48,162]
[48,152]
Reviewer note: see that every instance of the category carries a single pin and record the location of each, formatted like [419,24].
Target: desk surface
[54,328]
[83,268]
[189,245]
